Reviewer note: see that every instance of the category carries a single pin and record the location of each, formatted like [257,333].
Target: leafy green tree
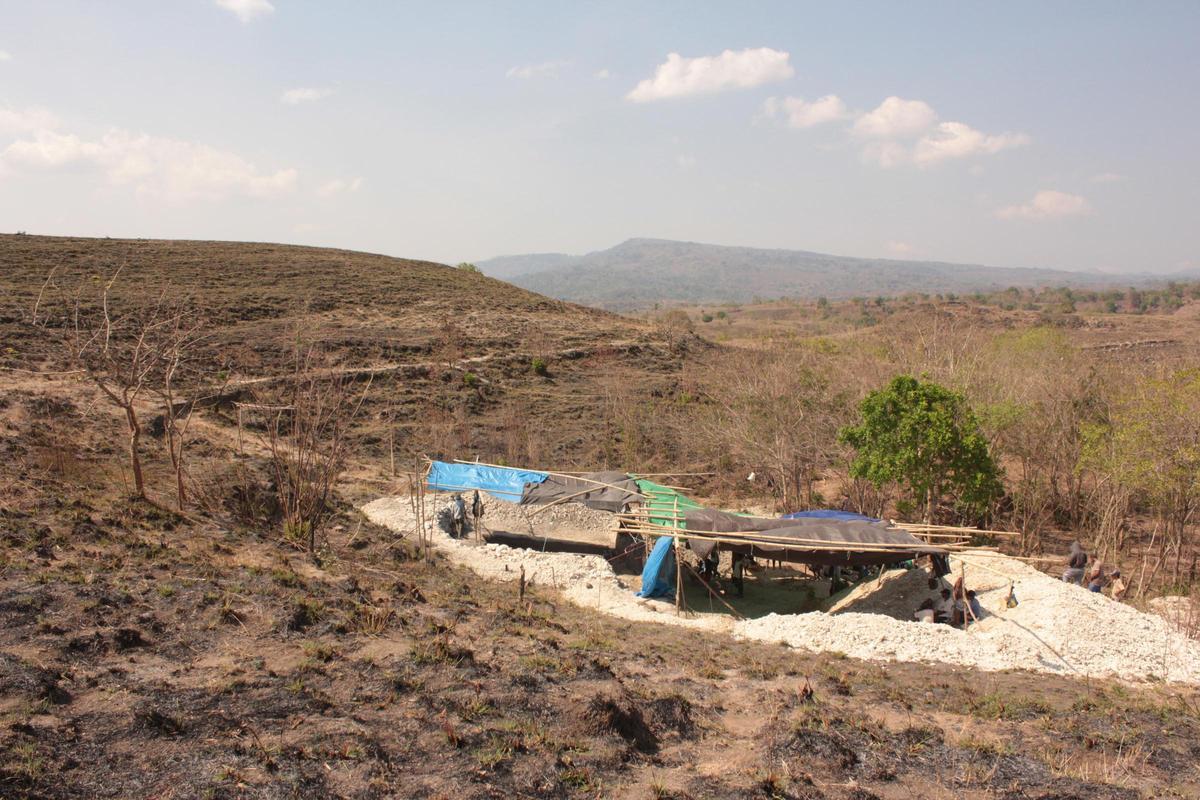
[924,437]
[467,266]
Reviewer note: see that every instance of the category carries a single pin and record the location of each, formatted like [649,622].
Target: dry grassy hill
[451,352]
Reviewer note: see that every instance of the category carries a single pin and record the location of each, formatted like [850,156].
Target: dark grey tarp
[809,534]
[621,491]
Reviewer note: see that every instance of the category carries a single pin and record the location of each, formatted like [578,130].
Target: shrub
[539,366]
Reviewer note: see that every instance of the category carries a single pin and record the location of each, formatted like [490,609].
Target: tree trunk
[135,460]
[175,448]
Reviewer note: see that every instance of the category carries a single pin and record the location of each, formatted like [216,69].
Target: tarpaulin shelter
[830,513]
[503,483]
[820,541]
[603,491]
[658,576]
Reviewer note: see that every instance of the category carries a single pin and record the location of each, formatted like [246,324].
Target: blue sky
[1017,134]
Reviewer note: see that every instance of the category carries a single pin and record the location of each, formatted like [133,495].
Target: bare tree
[123,352]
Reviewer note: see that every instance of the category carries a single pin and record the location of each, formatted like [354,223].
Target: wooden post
[392,449]
[678,564]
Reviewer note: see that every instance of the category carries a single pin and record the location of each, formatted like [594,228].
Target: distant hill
[508,267]
[641,272]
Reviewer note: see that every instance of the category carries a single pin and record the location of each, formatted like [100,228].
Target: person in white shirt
[925,612]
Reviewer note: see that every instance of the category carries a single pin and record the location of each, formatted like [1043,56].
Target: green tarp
[663,503]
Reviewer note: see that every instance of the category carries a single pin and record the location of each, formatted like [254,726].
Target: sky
[1015,134]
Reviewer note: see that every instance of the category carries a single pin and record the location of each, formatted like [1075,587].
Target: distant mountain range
[641,272]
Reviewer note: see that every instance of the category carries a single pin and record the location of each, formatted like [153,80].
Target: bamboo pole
[670,474]
[929,527]
[713,593]
[766,537]
[678,566]
[786,545]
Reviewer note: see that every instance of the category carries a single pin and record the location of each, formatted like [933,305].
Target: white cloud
[304,94]
[956,140]
[896,118]
[547,69]
[247,10]
[903,131]
[801,113]
[1047,204]
[339,186]
[19,121]
[1108,177]
[5,55]
[743,69]
[603,74]
[172,169]
[897,248]
[685,161]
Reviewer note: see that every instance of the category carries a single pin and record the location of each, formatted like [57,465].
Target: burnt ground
[148,654]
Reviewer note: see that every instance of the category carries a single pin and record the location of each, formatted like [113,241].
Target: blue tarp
[503,483]
[830,513]
[658,576]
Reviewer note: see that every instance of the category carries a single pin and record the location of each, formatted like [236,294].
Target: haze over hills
[640,272]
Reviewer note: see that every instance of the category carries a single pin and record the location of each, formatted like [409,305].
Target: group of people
[1094,578]
[458,515]
[958,607]
[739,563]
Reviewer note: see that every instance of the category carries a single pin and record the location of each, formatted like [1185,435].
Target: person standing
[739,574]
[1076,563]
[458,516]
[477,515]
[1118,585]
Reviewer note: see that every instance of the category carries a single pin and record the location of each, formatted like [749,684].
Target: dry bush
[773,412]
[307,435]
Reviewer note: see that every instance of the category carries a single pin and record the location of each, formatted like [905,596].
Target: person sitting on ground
[925,612]
[944,607]
[1118,585]
[1076,562]
[974,605]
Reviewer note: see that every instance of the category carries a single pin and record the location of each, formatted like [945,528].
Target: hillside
[450,351]
[641,272]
